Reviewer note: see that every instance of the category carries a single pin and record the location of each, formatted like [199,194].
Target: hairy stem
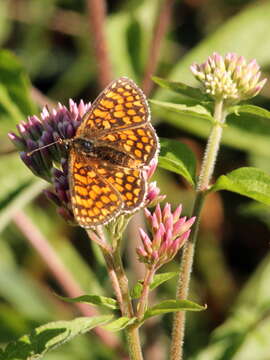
[123,283]
[210,155]
[142,305]
[134,343]
[132,332]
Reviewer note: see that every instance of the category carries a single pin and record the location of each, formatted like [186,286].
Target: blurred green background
[48,55]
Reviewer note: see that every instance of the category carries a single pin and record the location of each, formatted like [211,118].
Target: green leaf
[9,106]
[178,158]
[137,290]
[116,33]
[50,336]
[244,131]
[250,109]
[94,300]
[181,88]
[21,291]
[161,278]
[158,280]
[129,44]
[248,181]
[16,82]
[13,174]
[245,333]
[120,323]
[169,306]
[190,112]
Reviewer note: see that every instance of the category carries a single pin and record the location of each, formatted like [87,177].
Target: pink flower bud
[152,167]
[168,235]
[147,243]
[153,197]
[177,213]
[166,211]
[158,214]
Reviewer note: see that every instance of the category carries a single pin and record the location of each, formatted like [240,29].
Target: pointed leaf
[190,112]
[256,111]
[181,88]
[120,323]
[137,290]
[168,306]
[177,157]
[247,181]
[49,336]
[243,129]
[158,280]
[94,300]
[161,278]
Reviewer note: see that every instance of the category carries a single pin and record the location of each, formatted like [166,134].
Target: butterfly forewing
[122,104]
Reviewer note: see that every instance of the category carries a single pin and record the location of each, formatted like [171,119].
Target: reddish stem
[160,29]
[97,19]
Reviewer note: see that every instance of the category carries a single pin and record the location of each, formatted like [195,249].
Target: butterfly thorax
[99,151]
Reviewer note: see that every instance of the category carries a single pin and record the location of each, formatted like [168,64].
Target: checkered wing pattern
[123,141]
[94,200]
[139,143]
[122,104]
[129,183]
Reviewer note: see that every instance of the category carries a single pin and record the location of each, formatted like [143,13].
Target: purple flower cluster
[51,163]
[39,132]
[169,233]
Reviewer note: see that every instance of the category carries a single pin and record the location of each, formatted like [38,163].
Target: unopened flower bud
[231,78]
[169,233]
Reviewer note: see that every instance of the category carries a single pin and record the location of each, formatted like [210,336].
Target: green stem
[210,155]
[212,148]
[134,343]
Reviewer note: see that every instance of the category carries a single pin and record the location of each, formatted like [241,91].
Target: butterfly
[109,155]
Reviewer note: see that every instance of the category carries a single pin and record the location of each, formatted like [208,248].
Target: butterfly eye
[83,144]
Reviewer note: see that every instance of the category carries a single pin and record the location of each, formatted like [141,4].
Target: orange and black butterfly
[109,153]
[112,146]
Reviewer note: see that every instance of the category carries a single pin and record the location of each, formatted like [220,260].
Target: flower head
[51,163]
[169,233]
[231,78]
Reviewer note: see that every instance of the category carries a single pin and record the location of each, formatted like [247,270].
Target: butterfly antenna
[59,141]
